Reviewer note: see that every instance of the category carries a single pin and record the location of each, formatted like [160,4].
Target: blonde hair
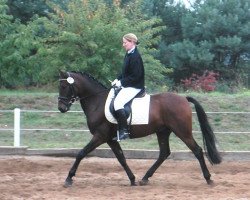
[131,37]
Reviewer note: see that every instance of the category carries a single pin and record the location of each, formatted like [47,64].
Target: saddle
[137,110]
[127,106]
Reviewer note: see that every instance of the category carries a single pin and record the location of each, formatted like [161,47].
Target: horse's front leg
[93,144]
[116,148]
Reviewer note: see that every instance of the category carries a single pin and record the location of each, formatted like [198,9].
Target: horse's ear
[63,74]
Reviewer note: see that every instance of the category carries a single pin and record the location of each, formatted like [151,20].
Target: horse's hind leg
[197,151]
[199,155]
[116,148]
[163,140]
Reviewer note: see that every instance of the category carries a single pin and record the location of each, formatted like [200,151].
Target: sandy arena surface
[36,177]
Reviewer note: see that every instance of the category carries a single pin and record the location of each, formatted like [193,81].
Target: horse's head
[67,91]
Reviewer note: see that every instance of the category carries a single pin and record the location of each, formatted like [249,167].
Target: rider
[131,81]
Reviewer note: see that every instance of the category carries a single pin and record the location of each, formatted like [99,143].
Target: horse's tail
[209,140]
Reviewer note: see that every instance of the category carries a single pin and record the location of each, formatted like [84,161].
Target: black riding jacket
[133,71]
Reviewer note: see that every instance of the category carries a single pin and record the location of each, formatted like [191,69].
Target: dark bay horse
[168,113]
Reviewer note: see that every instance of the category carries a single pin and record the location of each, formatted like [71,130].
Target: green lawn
[35,101]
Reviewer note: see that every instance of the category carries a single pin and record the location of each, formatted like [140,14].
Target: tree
[217,34]
[14,49]
[171,15]
[84,36]
[26,10]
[88,38]
[21,62]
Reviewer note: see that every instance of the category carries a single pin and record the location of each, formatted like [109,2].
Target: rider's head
[129,41]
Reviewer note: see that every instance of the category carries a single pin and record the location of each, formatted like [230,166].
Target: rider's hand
[114,82]
[118,84]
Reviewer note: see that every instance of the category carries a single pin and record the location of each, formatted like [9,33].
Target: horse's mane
[91,78]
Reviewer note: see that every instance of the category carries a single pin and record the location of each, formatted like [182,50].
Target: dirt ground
[36,177]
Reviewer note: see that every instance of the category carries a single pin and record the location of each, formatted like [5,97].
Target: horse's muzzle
[62,110]
[62,107]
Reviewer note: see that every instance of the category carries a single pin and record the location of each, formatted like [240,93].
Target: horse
[168,112]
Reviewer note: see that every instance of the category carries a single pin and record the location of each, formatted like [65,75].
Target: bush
[206,82]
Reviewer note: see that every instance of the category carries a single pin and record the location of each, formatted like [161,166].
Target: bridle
[68,101]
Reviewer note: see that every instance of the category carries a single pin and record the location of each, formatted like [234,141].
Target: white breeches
[124,96]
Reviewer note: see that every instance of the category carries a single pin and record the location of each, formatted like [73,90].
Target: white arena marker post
[16,127]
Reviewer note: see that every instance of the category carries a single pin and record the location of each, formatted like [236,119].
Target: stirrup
[120,137]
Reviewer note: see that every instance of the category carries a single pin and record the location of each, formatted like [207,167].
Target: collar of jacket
[131,51]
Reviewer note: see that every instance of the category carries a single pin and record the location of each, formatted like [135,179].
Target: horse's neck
[93,96]
[89,86]
[93,109]
[94,102]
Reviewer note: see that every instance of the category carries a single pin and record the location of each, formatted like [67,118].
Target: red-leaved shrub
[206,82]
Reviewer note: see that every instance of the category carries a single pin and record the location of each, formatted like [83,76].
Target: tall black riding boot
[122,125]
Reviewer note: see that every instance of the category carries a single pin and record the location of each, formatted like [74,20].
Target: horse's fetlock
[71,174]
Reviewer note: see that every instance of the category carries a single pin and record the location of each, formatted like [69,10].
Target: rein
[82,98]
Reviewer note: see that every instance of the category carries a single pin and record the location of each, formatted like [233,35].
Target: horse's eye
[63,86]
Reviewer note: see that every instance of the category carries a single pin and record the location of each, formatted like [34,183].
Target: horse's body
[168,113]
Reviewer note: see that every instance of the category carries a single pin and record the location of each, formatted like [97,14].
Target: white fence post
[16,127]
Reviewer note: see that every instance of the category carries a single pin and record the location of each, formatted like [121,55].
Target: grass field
[29,101]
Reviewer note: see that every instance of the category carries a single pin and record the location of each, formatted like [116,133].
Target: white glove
[118,84]
[114,82]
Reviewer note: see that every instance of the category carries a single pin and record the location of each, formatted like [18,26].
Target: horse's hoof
[143,182]
[133,184]
[210,182]
[68,183]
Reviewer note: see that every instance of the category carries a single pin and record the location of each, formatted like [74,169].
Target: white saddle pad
[140,109]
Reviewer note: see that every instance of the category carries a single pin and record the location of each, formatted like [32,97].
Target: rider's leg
[123,97]
[122,124]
